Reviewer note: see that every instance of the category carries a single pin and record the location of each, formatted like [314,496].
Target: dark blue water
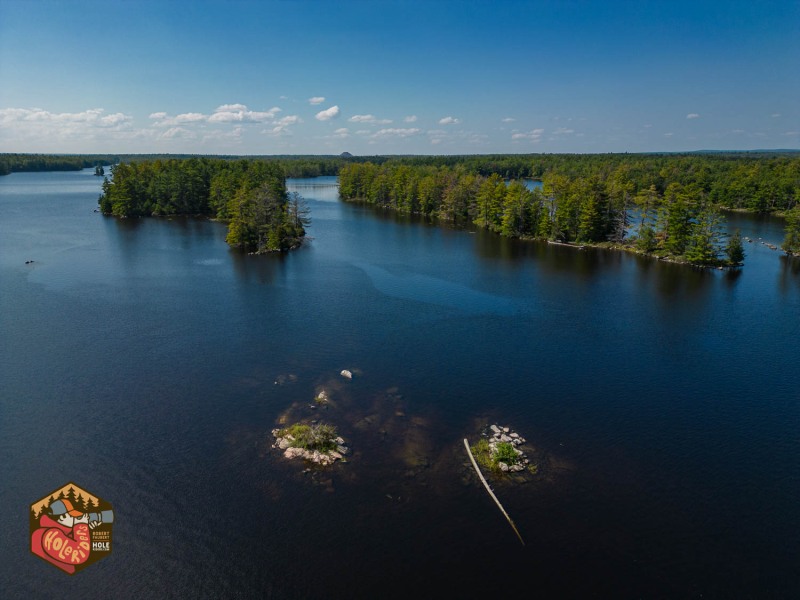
[147,362]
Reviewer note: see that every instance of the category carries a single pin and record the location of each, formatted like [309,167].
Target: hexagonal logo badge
[71,528]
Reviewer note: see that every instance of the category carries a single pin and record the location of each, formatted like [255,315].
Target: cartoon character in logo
[63,536]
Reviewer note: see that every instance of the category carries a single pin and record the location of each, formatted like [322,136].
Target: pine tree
[735,249]
[702,247]
[791,243]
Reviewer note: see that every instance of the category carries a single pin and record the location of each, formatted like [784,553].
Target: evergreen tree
[646,240]
[791,243]
[735,249]
[489,203]
[702,247]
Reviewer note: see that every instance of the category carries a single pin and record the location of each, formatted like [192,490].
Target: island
[249,195]
[319,443]
[667,206]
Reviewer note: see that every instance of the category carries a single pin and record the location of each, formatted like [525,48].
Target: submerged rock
[347,374]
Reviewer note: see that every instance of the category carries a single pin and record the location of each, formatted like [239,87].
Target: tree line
[249,195]
[608,207]
[293,166]
[20,163]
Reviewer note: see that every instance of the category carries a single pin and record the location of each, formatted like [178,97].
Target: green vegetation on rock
[319,436]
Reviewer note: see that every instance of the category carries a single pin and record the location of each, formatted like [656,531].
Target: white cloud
[328,113]
[668,134]
[449,121]
[31,126]
[115,119]
[436,141]
[177,132]
[316,100]
[238,113]
[534,135]
[342,132]
[189,118]
[563,131]
[775,115]
[411,119]
[370,119]
[158,115]
[281,126]
[396,132]
[38,115]
[508,120]
[692,116]
[792,133]
[230,108]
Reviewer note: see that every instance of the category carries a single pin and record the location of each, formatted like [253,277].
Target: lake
[147,362]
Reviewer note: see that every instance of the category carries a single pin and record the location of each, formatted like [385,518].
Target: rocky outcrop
[504,435]
[284,440]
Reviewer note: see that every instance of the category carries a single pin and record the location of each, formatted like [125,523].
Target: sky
[398,77]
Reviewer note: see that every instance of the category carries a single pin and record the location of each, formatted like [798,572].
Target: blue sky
[398,77]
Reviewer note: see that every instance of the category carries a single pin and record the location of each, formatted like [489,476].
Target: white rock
[503,467]
[505,438]
[506,430]
[495,428]
[346,373]
[294,452]
[514,435]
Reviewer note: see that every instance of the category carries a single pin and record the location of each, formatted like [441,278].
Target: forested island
[665,205]
[249,195]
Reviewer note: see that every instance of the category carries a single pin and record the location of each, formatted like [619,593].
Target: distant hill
[346,155]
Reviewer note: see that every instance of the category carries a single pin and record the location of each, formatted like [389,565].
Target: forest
[249,195]
[292,165]
[666,205]
[20,163]
[669,205]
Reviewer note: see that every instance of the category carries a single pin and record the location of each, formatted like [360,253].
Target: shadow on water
[261,269]
[732,277]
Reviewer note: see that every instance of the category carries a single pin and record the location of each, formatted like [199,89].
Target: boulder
[503,467]
[294,452]
[346,373]
[495,429]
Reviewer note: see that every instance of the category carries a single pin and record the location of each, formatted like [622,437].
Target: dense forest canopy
[249,195]
[665,203]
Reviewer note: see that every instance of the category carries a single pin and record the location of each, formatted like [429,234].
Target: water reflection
[789,274]
[262,269]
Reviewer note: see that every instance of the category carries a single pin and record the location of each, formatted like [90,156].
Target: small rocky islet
[317,443]
[499,450]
